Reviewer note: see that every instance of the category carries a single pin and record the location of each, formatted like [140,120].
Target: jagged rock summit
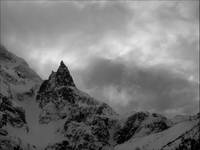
[87,123]
[63,77]
[60,78]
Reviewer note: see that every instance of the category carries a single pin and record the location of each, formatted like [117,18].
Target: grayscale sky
[134,55]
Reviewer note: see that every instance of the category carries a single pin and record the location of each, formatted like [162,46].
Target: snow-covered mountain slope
[182,136]
[17,80]
[18,85]
[12,120]
[180,118]
[141,124]
[56,115]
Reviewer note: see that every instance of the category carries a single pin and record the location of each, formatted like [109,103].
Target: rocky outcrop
[87,122]
[10,114]
[14,143]
[141,124]
[14,116]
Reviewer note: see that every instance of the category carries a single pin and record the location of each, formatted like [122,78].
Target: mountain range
[53,114]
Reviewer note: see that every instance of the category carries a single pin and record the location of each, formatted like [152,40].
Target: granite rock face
[88,123]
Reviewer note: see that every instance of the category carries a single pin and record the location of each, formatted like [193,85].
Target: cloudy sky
[133,55]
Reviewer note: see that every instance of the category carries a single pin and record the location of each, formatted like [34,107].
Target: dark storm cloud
[134,55]
[156,88]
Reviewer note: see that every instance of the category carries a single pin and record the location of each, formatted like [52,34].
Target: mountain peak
[62,64]
[59,78]
[63,76]
[62,67]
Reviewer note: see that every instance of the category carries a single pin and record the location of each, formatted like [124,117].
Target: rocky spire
[60,78]
[63,77]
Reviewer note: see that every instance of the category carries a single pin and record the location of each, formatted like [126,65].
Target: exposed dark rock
[10,113]
[63,77]
[3,132]
[57,79]
[136,123]
[9,145]
[187,141]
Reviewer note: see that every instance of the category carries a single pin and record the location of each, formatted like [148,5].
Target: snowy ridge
[141,124]
[18,84]
[168,139]
[16,78]
[56,115]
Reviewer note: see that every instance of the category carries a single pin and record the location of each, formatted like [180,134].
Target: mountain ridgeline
[55,115]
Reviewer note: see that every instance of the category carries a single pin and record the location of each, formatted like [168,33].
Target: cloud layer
[133,55]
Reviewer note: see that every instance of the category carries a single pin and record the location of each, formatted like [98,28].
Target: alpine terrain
[55,115]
